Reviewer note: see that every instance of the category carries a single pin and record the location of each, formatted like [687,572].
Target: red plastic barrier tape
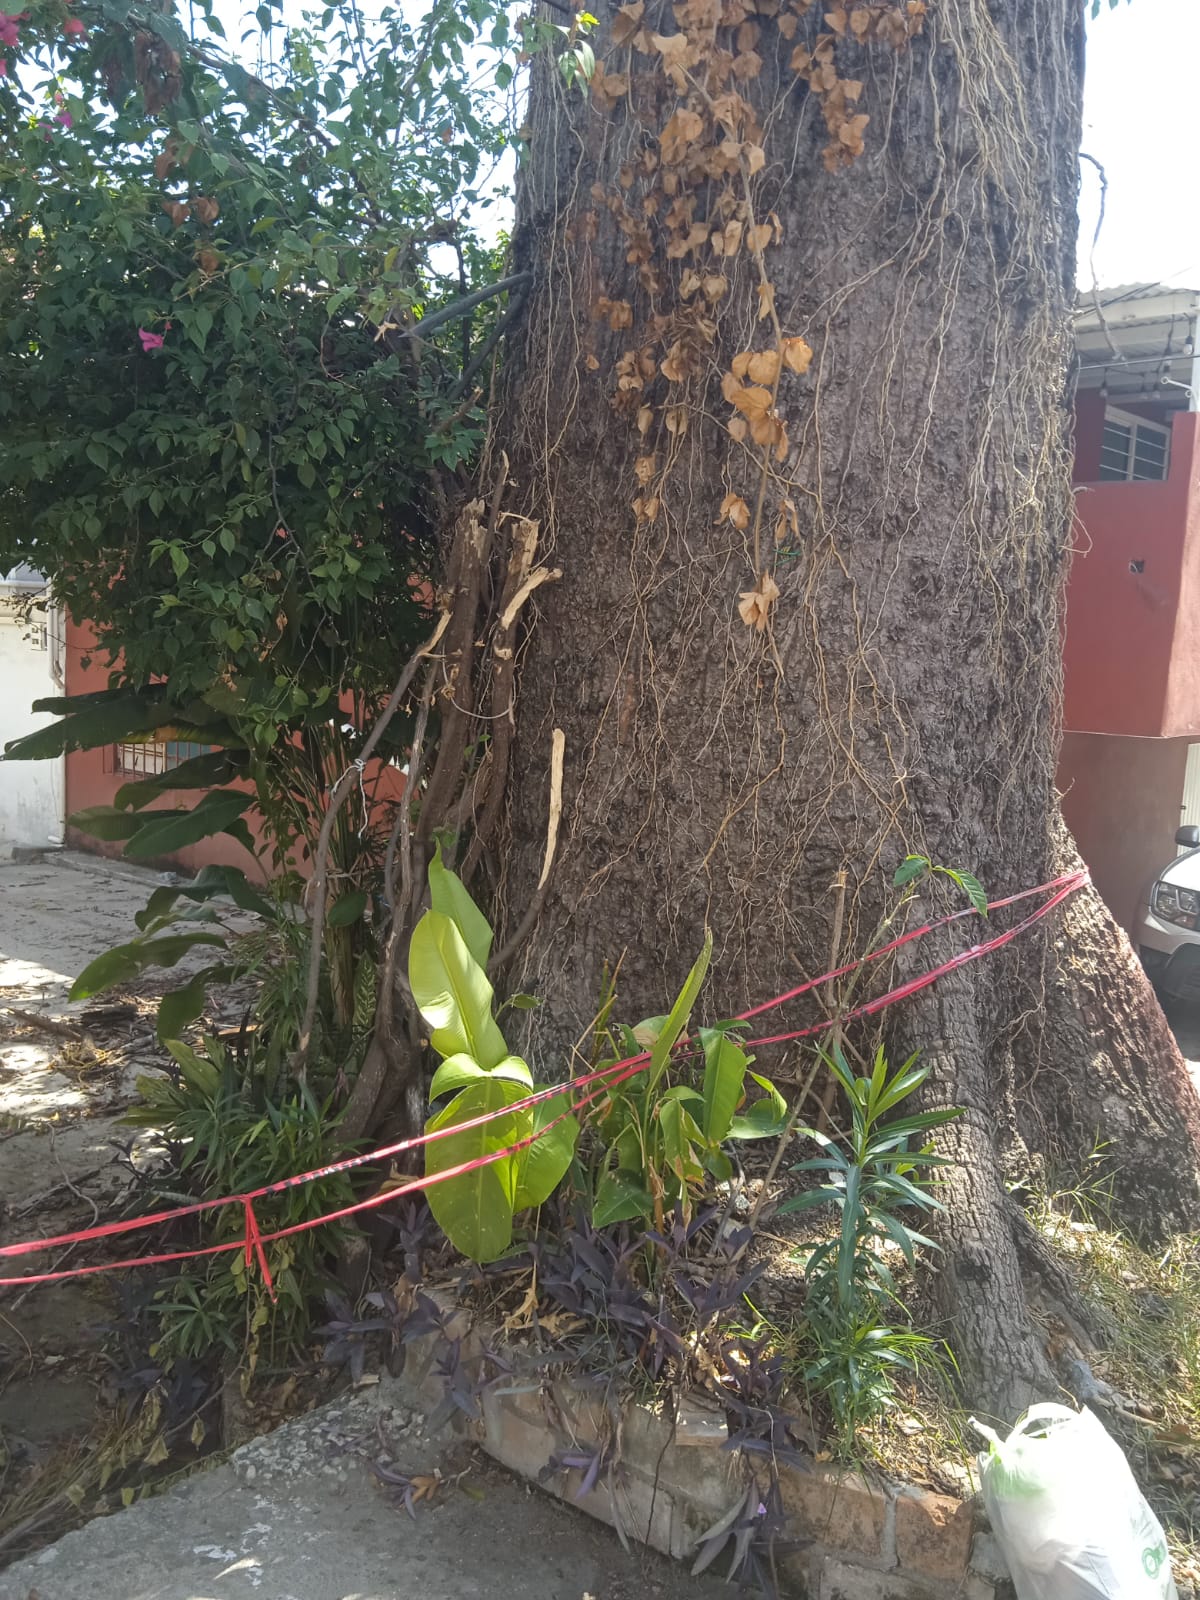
[615,1073]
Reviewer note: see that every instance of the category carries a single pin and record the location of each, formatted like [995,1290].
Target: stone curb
[855,1539]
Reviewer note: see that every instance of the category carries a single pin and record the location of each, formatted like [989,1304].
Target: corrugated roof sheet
[1130,291]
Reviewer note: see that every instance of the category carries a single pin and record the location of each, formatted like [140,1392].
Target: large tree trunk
[904,696]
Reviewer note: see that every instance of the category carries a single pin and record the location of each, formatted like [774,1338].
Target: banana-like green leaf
[210,883]
[123,963]
[455,1073]
[161,833]
[449,895]
[475,1209]
[205,771]
[452,992]
[107,721]
[105,822]
[64,705]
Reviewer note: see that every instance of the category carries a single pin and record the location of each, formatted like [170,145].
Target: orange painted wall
[1122,799]
[1132,646]
[89,784]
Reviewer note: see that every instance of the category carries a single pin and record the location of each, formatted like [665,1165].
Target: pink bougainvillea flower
[64,119]
[8,28]
[3,68]
[151,341]
[74,26]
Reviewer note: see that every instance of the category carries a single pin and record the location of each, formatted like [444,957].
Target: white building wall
[31,792]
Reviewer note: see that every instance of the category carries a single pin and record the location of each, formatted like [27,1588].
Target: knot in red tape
[254,1249]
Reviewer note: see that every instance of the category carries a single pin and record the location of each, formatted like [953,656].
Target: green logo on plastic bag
[1152,1559]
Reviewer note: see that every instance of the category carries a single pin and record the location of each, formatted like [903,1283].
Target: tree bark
[1105,1079]
[904,694]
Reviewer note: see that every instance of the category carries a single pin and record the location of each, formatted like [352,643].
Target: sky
[1140,122]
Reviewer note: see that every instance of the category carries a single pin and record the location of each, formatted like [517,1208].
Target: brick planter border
[861,1540]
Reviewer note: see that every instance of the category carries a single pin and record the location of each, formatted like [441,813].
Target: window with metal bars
[148,760]
[1133,450]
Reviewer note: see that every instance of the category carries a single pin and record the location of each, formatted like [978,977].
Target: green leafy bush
[218,441]
[231,1133]
[659,1140]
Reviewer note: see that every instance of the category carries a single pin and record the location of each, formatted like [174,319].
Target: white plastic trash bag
[1068,1514]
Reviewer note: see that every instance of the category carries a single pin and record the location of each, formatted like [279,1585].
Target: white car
[1168,927]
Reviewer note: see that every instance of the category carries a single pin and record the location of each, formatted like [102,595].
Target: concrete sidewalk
[298,1515]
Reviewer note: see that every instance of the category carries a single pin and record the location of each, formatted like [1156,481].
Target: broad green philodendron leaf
[452,992]
[449,896]
[541,1167]
[475,1209]
[456,1072]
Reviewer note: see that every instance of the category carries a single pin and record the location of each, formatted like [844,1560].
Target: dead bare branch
[558,744]
[337,796]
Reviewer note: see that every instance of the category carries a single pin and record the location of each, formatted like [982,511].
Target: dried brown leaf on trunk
[754,605]
[764,366]
[607,89]
[797,354]
[736,510]
[679,134]
[627,22]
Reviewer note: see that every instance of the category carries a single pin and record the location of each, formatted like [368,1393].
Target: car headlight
[1181,906]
